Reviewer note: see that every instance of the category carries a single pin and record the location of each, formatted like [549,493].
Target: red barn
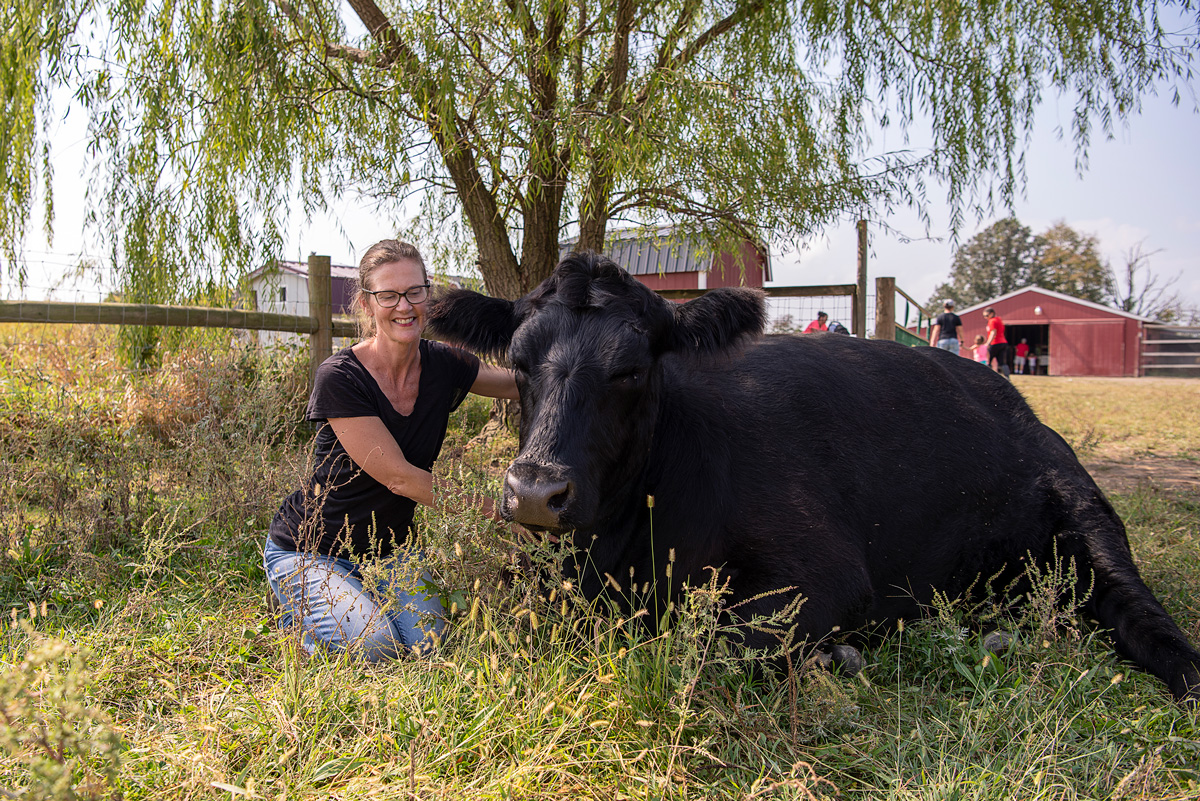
[666,259]
[1071,336]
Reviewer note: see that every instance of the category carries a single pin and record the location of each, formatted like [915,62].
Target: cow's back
[916,468]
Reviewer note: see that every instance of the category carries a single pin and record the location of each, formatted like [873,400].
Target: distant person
[980,350]
[837,328]
[998,347]
[944,333]
[818,324]
[1022,351]
[1032,362]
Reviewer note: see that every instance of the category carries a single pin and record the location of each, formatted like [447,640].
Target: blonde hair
[979,339]
[385,251]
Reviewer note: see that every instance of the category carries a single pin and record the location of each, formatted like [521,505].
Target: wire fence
[51,280]
[789,314]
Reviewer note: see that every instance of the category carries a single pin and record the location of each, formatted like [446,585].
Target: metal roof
[301,268]
[658,256]
[660,251]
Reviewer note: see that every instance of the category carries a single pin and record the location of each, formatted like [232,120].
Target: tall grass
[139,661]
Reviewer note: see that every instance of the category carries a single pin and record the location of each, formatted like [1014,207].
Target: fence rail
[25,311]
[322,327]
[1171,351]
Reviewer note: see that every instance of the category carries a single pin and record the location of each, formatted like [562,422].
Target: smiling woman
[384,404]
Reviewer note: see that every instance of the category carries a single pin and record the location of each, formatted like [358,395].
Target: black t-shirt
[950,323]
[343,511]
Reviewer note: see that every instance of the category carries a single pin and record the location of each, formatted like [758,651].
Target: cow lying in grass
[793,462]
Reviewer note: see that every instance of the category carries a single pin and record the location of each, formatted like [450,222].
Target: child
[981,351]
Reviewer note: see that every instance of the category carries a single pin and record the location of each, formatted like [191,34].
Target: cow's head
[586,347]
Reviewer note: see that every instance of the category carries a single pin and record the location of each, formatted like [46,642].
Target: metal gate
[1171,351]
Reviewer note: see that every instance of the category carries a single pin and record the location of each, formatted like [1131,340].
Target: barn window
[282,294]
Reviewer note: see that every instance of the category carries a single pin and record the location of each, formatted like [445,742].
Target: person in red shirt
[998,347]
[1022,351]
[818,324]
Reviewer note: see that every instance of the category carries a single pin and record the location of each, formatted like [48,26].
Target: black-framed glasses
[390,299]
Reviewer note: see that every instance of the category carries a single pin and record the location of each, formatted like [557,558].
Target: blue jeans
[375,617]
[948,344]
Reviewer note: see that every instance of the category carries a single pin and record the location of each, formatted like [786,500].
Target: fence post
[859,323]
[885,308]
[320,308]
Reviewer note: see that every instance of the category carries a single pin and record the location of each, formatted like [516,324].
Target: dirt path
[1125,475]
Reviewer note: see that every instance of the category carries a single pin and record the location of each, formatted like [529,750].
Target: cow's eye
[632,378]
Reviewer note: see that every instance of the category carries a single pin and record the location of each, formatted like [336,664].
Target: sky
[1142,186]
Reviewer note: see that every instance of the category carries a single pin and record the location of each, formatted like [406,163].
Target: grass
[138,661]
[1120,418]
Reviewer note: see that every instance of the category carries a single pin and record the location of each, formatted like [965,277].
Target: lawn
[1120,418]
[139,660]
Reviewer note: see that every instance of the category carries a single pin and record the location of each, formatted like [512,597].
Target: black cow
[864,474]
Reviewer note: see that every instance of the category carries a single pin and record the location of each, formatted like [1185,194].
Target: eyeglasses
[390,299]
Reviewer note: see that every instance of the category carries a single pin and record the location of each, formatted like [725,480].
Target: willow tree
[516,122]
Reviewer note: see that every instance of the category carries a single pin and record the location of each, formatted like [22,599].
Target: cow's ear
[476,322]
[719,318]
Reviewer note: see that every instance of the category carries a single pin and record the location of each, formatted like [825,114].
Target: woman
[336,554]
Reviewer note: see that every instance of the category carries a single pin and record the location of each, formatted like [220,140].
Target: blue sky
[1141,186]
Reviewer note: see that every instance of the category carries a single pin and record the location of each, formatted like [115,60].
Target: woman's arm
[374,449]
[495,382]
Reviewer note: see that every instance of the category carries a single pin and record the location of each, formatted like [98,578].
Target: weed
[66,746]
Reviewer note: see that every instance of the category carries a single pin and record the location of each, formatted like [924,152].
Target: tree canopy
[1006,256]
[503,126]
[1068,261]
[997,260]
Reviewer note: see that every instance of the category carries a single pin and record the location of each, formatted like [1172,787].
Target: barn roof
[660,251]
[301,268]
[664,253]
[1052,294]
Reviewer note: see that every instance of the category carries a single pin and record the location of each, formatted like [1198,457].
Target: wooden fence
[321,326]
[1171,350]
[887,298]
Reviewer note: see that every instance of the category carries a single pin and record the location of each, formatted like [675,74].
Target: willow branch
[667,63]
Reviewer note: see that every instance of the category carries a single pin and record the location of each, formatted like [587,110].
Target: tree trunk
[593,214]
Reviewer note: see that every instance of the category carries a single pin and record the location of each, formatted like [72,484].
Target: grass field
[138,659]
[1120,418]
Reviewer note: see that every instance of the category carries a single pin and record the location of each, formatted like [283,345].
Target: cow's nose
[536,499]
